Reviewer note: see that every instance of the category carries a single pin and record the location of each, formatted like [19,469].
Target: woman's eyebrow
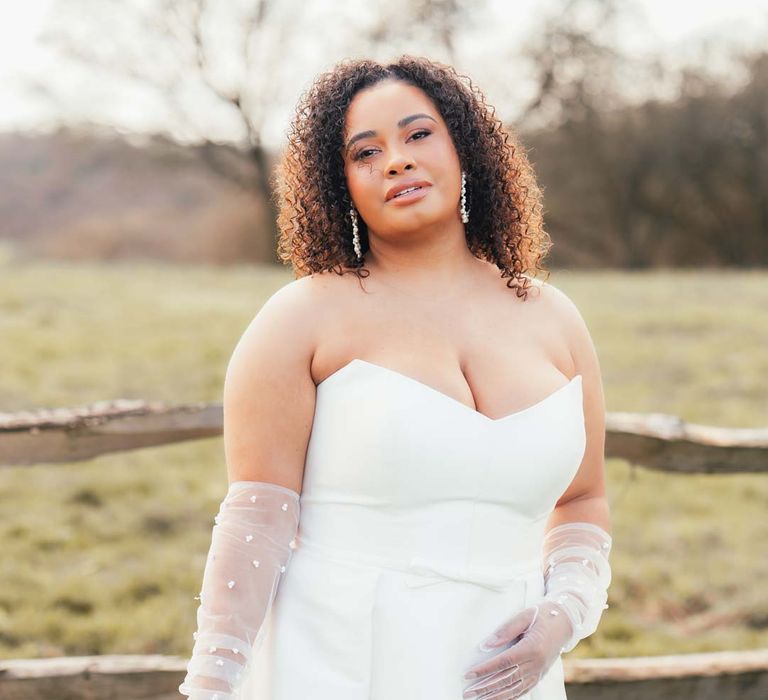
[403,122]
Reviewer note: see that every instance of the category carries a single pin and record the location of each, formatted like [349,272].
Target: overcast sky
[667,27]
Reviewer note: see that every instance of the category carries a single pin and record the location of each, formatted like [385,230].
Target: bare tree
[579,69]
[171,47]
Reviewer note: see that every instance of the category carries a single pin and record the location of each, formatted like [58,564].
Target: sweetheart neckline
[482,416]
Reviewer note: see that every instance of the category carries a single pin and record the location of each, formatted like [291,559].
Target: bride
[414,427]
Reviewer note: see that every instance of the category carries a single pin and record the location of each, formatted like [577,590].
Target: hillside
[82,195]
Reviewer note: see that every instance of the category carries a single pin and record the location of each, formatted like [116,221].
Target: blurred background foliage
[646,161]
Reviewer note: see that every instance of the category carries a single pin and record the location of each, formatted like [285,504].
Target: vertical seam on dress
[372,632]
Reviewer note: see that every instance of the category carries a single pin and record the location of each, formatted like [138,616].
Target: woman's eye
[361,154]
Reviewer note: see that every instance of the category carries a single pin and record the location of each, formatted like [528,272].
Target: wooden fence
[655,441]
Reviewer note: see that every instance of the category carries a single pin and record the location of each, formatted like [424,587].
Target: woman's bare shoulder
[308,292]
[297,311]
[566,313]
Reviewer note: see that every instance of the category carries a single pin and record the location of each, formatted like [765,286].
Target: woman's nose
[398,164]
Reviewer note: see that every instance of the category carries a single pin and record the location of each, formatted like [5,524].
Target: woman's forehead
[384,104]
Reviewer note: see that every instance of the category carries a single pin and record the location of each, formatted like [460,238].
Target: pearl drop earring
[464,211]
[355,233]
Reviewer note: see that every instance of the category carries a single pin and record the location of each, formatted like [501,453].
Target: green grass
[105,556]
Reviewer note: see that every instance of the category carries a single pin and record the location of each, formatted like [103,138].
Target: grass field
[105,556]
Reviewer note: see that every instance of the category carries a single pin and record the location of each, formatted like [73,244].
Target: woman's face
[393,135]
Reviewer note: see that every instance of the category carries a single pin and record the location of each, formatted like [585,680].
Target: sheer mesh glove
[576,578]
[251,547]
[577,575]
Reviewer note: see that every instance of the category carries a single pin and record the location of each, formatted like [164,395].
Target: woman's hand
[542,630]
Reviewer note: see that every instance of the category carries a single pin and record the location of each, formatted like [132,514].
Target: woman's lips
[410,196]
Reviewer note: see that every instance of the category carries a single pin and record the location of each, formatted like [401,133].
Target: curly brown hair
[310,190]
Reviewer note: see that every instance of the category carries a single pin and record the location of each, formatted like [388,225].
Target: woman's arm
[269,393]
[268,413]
[585,499]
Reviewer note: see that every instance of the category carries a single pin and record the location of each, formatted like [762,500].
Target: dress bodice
[419,473]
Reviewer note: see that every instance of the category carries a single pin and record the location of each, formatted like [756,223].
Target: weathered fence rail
[655,441]
[722,675]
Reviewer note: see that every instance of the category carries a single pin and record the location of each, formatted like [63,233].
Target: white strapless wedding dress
[420,532]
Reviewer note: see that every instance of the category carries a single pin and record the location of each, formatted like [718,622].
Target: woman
[414,450]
